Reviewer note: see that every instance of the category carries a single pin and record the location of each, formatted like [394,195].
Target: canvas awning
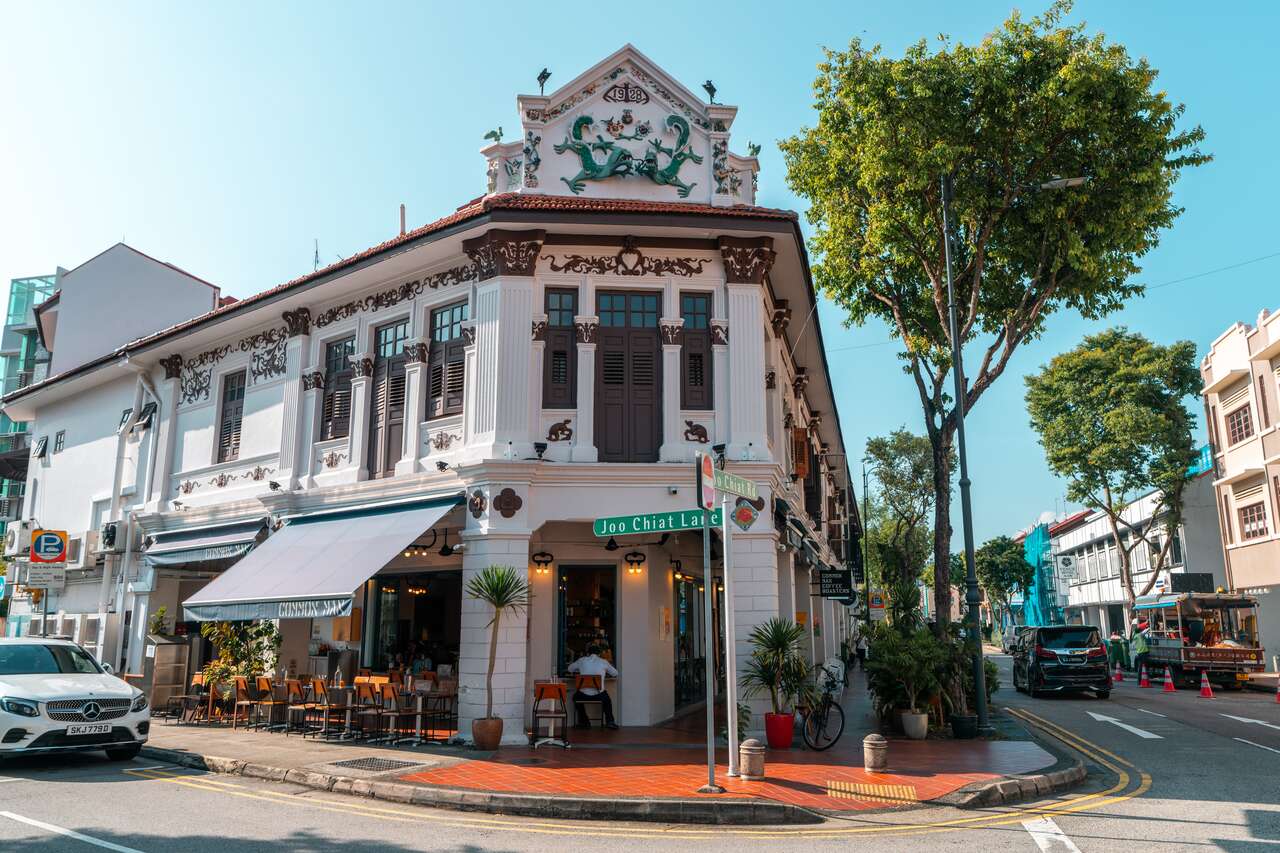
[203,544]
[312,566]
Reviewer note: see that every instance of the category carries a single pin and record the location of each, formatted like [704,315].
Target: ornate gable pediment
[623,129]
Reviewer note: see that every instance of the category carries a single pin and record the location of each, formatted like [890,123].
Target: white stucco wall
[139,294]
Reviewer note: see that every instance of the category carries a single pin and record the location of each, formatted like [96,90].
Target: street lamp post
[971,596]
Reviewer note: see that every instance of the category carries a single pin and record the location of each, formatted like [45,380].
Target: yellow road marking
[1014,815]
[893,794]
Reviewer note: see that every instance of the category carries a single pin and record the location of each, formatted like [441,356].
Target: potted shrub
[503,588]
[777,667]
[918,677]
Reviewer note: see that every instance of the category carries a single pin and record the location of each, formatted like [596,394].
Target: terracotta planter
[915,726]
[779,730]
[487,732]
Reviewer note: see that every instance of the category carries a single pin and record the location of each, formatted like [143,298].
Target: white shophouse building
[1095,595]
[341,452]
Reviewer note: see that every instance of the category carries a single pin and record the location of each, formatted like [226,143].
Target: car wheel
[124,753]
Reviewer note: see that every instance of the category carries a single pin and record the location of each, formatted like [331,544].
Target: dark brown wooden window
[628,414]
[1262,403]
[695,354]
[1239,425]
[232,417]
[560,365]
[386,400]
[335,410]
[799,452]
[446,364]
[1253,521]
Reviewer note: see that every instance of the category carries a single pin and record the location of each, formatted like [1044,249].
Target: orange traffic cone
[1206,691]
[1168,681]
[1145,681]
[1119,673]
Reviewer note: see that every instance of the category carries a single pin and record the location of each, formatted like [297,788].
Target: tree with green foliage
[1113,421]
[1033,102]
[901,464]
[1002,569]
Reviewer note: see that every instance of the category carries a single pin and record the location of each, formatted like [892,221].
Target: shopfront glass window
[587,613]
[691,662]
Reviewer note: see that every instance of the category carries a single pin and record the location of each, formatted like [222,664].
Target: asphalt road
[1189,778]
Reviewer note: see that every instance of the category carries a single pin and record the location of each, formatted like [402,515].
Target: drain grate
[375,765]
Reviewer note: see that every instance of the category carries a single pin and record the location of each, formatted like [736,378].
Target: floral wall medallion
[507,503]
[477,504]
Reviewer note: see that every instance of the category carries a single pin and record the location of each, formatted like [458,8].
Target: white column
[504,313]
[509,695]
[415,393]
[166,442]
[584,434]
[748,432]
[354,466]
[754,564]
[673,449]
[720,390]
[293,446]
[786,585]
[312,391]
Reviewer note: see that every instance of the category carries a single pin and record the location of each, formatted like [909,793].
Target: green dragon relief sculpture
[621,162]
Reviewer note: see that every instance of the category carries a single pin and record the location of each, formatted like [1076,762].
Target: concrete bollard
[875,753]
[751,760]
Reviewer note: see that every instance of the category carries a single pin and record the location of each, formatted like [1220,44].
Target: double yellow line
[1130,782]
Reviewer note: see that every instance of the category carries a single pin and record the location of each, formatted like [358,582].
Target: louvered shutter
[800,452]
[454,376]
[232,417]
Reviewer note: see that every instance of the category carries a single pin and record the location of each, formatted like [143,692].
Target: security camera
[673,490]
[442,466]
[275,487]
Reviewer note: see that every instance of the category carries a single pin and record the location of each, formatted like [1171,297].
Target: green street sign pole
[730,652]
[706,502]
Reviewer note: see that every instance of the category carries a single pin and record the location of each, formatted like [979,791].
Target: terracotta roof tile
[471,210]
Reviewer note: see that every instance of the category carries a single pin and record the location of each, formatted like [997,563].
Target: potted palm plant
[504,589]
[777,667]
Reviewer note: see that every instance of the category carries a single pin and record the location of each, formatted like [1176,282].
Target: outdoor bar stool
[397,709]
[191,704]
[243,699]
[550,704]
[325,708]
[368,710]
[296,705]
[267,700]
[589,681]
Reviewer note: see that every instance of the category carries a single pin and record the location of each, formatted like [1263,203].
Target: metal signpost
[48,568]
[730,484]
[706,502]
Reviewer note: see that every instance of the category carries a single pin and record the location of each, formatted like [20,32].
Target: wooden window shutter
[232,417]
[559,371]
[454,376]
[800,452]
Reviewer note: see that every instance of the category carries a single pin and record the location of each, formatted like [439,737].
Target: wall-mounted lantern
[542,562]
[635,562]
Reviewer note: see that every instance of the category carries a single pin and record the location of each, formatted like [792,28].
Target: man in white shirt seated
[593,664]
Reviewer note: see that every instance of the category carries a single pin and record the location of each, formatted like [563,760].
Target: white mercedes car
[54,697]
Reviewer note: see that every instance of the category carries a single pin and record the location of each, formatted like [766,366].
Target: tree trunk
[942,528]
[493,658]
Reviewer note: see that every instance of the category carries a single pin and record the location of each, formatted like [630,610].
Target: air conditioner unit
[17,538]
[108,538]
[82,550]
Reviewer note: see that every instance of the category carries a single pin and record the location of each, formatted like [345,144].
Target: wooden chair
[397,708]
[268,701]
[368,710]
[190,704]
[588,681]
[550,703]
[243,699]
[296,704]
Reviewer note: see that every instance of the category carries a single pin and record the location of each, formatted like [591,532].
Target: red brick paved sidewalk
[670,762]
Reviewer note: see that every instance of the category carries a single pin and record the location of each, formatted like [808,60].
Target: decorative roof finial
[543,76]
[495,135]
[711,90]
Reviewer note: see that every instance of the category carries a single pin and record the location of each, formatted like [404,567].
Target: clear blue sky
[225,138]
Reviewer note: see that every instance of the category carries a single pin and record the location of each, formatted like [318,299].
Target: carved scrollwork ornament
[477,504]
[720,332]
[361,366]
[172,365]
[297,322]
[629,261]
[313,381]
[672,333]
[539,331]
[417,351]
[585,331]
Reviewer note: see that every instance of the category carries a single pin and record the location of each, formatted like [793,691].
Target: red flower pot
[779,730]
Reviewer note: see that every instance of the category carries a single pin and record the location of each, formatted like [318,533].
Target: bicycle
[824,722]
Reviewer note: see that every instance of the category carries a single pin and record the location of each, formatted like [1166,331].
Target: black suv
[1061,657]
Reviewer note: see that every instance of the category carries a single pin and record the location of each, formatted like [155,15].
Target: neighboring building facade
[1093,590]
[23,360]
[1242,409]
[345,451]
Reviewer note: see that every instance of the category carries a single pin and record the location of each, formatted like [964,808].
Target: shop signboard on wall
[47,577]
[835,583]
[654,522]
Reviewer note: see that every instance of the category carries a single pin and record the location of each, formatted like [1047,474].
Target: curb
[1066,773]
[719,812]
